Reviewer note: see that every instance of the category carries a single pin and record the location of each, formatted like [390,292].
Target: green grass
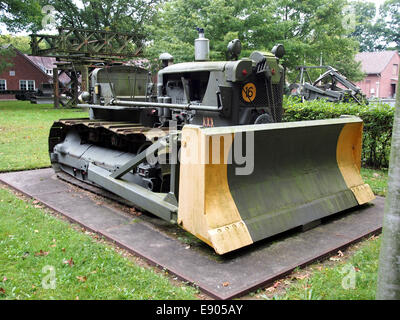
[24,130]
[31,239]
[333,283]
[377,179]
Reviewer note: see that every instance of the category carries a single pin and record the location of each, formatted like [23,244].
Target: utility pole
[56,88]
[389,260]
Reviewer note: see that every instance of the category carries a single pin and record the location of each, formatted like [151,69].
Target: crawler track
[124,139]
[123,136]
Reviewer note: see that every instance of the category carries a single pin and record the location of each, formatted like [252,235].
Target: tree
[389,260]
[22,43]
[113,15]
[312,28]
[7,43]
[390,21]
[306,28]
[368,32]
[175,27]
[21,15]
[6,55]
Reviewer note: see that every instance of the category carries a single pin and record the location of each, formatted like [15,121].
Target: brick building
[27,73]
[382,70]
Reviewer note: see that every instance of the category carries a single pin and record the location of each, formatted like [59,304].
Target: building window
[3,85]
[49,71]
[395,68]
[27,85]
[12,73]
[31,85]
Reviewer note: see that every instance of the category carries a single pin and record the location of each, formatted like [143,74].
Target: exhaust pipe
[201,47]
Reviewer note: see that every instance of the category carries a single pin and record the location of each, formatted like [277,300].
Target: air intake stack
[201,47]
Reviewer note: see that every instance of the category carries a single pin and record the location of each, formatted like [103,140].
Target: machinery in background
[326,86]
[204,147]
[43,94]
[19,94]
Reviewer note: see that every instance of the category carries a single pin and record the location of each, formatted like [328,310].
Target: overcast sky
[378,2]
[3,29]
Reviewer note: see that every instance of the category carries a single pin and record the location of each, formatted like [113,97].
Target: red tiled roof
[141,63]
[47,63]
[374,62]
[43,62]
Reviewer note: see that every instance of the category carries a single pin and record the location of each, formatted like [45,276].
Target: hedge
[378,123]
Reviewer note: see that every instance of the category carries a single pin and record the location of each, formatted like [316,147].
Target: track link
[124,136]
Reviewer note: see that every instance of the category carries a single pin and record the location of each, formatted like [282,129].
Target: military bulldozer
[204,147]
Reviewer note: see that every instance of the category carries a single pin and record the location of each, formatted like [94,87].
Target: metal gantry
[78,53]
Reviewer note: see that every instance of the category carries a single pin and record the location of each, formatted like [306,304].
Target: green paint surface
[296,180]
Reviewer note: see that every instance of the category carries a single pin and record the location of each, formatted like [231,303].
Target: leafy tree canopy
[6,55]
[22,43]
[21,15]
[306,29]
[367,31]
[390,22]
[113,15]
[377,32]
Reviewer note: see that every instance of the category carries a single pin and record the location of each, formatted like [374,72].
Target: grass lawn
[24,130]
[351,278]
[31,239]
[377,179]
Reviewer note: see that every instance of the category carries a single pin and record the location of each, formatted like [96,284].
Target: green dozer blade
[242,184]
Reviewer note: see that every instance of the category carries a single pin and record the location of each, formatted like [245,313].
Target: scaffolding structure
[78,52]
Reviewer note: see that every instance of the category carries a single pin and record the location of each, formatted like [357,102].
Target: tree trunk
[389,260]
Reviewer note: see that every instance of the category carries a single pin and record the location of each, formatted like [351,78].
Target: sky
[377,2]
[3,29]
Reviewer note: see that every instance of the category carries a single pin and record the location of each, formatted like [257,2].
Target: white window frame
[5,83]
[26,84]
[395,69]
[34,84]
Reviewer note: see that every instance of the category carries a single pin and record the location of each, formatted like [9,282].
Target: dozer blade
[242,184]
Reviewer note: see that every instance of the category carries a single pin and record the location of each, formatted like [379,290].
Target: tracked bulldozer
[205,148]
